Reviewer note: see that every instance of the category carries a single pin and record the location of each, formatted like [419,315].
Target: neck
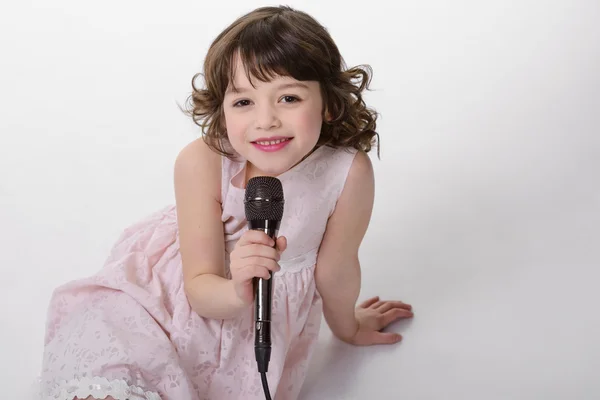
[252,171]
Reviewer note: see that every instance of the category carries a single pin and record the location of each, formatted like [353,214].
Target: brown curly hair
[284,41]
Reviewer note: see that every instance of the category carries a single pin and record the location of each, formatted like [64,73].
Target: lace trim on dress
[99,388]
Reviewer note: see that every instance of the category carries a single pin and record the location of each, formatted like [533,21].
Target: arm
[198,197]
[338,269]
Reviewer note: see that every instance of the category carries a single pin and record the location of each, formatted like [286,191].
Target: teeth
[271,142]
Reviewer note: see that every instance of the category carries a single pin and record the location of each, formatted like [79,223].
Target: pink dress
[128,331]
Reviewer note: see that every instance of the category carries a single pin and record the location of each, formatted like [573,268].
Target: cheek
[236,127]
[309,121]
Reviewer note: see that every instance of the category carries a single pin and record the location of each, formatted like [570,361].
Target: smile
[265,143]
[271,144]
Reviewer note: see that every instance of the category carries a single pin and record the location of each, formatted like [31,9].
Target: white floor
[487,215]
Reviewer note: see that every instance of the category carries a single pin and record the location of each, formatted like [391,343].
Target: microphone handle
[263,301]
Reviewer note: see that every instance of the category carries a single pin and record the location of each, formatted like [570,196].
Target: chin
[271,169]
[274,163]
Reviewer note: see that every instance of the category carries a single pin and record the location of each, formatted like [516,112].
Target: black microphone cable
[265,384]
[262,358]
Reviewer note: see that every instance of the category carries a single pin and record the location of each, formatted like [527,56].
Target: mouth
[272,143]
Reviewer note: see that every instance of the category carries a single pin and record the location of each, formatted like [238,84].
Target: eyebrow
[279,87]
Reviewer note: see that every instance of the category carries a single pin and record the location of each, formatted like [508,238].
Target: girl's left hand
[373,315]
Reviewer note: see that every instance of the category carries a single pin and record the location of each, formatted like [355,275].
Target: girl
[170,315]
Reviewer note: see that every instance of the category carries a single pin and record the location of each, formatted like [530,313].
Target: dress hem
[99,388]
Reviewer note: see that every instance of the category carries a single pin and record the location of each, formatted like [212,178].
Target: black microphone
[263,203]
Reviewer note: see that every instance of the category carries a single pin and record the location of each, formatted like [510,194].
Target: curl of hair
[207,112]
[349,122]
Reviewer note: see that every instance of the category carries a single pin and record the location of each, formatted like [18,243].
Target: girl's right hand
[254,255]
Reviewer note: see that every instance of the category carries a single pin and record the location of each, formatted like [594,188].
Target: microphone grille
[264,199]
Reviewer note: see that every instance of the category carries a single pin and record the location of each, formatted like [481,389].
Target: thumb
[281,243]
[385,337]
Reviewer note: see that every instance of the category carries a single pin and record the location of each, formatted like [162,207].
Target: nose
[266,117]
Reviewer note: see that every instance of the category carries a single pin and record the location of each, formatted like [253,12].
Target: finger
[388,305]
[257,237]
[257,271]
[385,337]
[259,250]
[395,314]
[281,244]
[268,263]
[247,274]
[377,304]
[369,302]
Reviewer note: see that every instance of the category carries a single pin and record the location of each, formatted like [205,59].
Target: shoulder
[195,154]
[199,166]
[361,169]
[356,164]
[353,209]
[359,186]
[342,169]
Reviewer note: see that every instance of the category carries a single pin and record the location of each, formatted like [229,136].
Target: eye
[290,99]
[241,103]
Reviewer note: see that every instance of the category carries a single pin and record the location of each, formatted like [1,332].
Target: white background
[487,213]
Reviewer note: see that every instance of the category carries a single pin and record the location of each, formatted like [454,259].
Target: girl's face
[275,124]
